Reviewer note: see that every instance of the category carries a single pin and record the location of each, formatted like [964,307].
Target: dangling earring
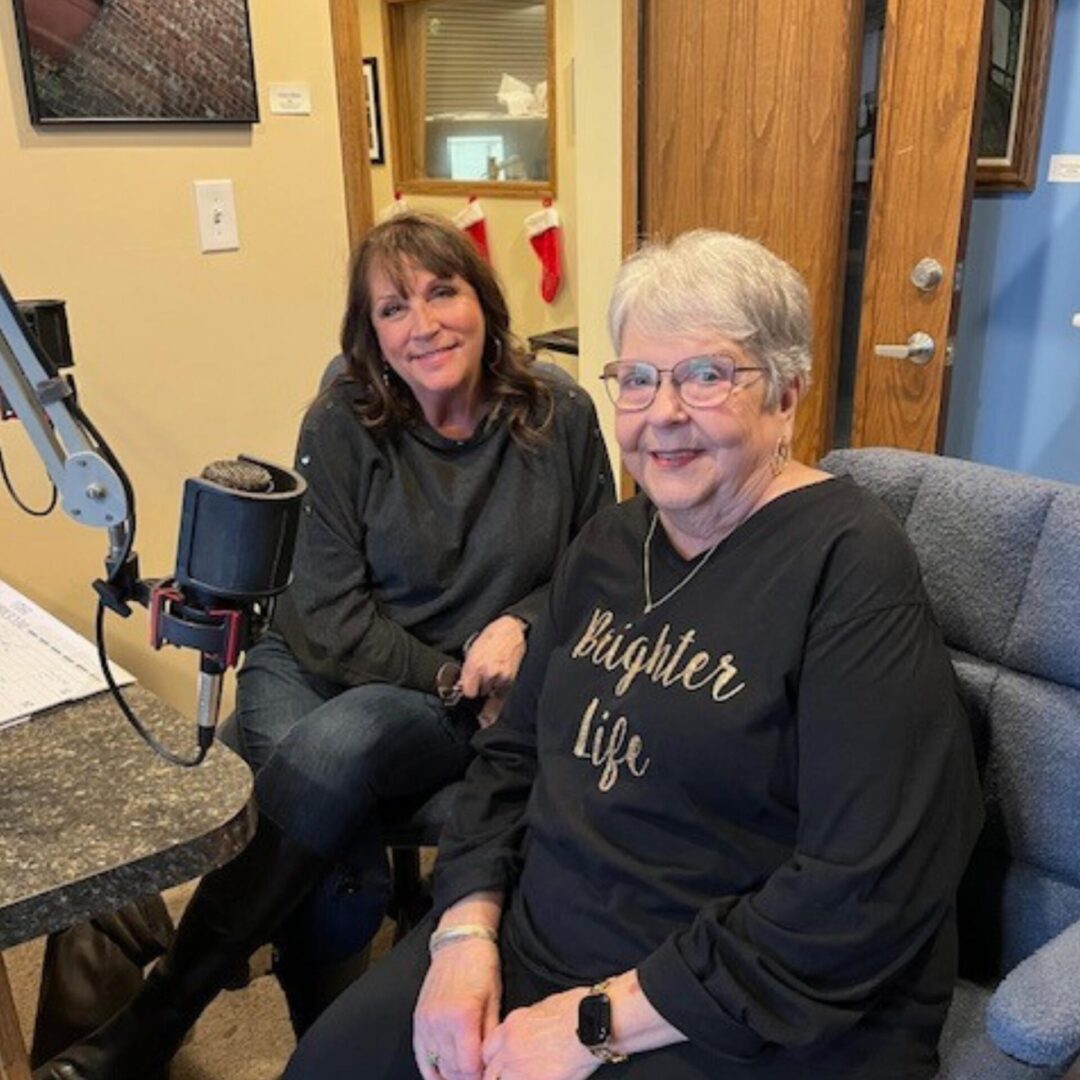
[386,374]
[781,456]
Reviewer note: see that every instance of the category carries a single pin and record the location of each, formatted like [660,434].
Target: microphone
[237,531]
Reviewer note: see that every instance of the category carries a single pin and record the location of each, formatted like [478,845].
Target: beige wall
[511,254]
[180,357]
[599,165]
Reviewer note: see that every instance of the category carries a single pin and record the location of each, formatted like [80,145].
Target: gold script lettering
[657,659]
[610,749]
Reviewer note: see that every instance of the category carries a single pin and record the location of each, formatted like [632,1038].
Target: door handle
[919,349]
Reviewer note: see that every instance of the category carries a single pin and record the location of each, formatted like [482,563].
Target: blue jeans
[325,757]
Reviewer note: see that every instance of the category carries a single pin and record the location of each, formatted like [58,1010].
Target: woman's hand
[493,659]
[540,1043]
[457,1009]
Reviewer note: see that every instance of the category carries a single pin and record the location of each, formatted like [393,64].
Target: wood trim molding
[631,157]
[631,111]
[13,1060]
[352,116]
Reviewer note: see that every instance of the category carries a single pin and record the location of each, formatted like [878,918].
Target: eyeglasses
[702,382]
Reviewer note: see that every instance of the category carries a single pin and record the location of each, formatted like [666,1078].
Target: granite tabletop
[90,817]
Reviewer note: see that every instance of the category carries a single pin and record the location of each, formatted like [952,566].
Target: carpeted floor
[244,1035]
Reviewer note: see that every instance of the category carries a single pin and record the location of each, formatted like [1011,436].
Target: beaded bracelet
[460,933]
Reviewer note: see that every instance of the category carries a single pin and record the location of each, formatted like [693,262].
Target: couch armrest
[1034,1015]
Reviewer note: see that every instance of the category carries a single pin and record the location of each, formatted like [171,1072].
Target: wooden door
[748,122]
[920,196]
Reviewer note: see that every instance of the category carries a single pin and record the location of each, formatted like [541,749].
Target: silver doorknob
[926,275]
[919,349]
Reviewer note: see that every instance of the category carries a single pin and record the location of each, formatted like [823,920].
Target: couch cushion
[998,551]
[999,556]
[1045,639]
[966,1050]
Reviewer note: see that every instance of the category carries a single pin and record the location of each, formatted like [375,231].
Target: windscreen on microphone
[239,475]
[237,530]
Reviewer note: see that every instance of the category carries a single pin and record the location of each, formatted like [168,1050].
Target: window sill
[489,189]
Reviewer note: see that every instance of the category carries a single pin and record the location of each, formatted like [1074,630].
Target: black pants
[368,1031]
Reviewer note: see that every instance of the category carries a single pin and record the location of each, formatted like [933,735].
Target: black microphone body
[237,532]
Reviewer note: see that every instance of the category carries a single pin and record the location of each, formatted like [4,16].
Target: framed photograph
[142,61]
[1021,35]
[376,151]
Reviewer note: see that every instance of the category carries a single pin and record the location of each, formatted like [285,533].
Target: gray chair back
[1000,556]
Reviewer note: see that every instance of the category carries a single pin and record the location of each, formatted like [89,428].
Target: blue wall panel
[1016,386]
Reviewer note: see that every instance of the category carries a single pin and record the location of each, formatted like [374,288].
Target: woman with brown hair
[446,475]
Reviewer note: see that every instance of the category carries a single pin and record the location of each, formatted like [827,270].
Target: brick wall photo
[148,60]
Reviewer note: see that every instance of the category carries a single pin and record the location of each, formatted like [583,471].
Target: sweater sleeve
[481,845]
[593,485]
[888,810]
[329,615]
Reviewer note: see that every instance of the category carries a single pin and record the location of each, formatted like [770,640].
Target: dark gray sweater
[410,543]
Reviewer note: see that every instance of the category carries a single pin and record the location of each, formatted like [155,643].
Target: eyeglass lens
[701,381]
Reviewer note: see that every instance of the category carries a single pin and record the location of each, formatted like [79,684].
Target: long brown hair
[407,241]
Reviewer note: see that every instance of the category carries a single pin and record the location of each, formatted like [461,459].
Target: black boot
[310,988]
[234,911]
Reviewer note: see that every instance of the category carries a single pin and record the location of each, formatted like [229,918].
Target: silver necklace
[646,549]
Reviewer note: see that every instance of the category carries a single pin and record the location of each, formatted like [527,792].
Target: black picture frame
[137,61]
[376,144]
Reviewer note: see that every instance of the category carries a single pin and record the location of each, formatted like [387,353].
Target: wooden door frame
[352,116]
[631,157]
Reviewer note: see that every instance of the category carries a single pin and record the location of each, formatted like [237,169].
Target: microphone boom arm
[91,491]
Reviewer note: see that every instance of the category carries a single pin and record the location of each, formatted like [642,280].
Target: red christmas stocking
[545,235]
[473,221]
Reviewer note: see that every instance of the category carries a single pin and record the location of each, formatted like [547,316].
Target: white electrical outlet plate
[1064,169]
[290,99]
[216,210]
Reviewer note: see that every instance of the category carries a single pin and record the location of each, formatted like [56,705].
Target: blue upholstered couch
[1000,555]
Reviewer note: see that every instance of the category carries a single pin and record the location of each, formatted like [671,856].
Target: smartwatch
[594,1024]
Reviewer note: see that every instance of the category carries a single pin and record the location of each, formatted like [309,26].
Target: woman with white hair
[718,829]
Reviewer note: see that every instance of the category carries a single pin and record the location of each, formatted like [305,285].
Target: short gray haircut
[705,281]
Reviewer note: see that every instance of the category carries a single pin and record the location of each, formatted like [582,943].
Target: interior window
[472,95]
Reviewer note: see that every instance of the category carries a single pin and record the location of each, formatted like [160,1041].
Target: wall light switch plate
[217,215]
[290,99]
[1064,169]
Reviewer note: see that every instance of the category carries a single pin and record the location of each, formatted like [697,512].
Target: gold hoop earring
[781,456]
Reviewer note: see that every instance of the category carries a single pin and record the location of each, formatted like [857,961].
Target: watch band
[606,1054]
[601,1049]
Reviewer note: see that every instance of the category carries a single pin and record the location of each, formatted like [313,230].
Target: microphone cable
[99,621]
[15,495]
[160,749]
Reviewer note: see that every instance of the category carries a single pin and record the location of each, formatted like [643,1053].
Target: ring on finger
[432,1058]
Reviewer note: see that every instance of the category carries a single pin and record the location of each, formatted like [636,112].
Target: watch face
[594,1019]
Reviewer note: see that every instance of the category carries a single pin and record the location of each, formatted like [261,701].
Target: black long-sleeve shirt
[761,795]
[409,544]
